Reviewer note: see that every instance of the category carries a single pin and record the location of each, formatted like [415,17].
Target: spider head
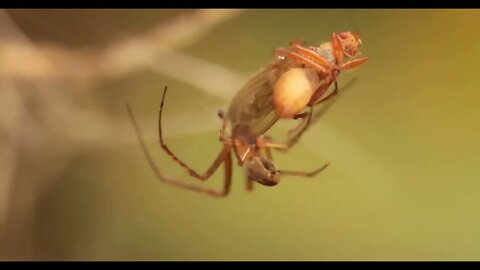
[262,171]
[351,43]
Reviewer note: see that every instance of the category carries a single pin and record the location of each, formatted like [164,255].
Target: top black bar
[340,4]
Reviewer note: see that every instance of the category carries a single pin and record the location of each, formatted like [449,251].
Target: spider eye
[343,34]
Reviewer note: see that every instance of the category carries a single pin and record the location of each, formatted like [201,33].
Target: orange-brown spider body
[293,92]
[292,83]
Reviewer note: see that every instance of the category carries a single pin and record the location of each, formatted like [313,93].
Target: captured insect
[294,81]
[250,150]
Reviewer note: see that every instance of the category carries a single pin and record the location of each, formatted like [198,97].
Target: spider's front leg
[339,53]
[354,63]
[322,66]
[311,54]
[337,48]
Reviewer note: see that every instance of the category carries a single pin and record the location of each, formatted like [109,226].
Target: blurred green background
[402,142]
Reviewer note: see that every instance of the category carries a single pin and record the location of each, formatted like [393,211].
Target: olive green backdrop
[403,143]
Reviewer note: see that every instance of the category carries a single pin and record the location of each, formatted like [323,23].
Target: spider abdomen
[293,91]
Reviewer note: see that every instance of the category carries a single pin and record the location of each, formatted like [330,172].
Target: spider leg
[354,63]
[324,72]
[337,48]
[325,107]
[311,54]
[300,129]
[308,118]
[314,100]
[296,42]
[321,90]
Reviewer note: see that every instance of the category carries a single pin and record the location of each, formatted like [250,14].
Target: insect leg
[268,151]
[304,173]
[229,141]
[192,172]
[249,184]
[224,157]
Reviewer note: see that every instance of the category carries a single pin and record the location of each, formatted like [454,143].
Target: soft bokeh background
[403,141]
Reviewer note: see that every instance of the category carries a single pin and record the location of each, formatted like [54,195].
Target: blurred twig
[46,61]
[36,108]
[55,66]
[8,144]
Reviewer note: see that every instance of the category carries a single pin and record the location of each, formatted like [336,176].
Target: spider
[289,85]
[304,86]
[251,150]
